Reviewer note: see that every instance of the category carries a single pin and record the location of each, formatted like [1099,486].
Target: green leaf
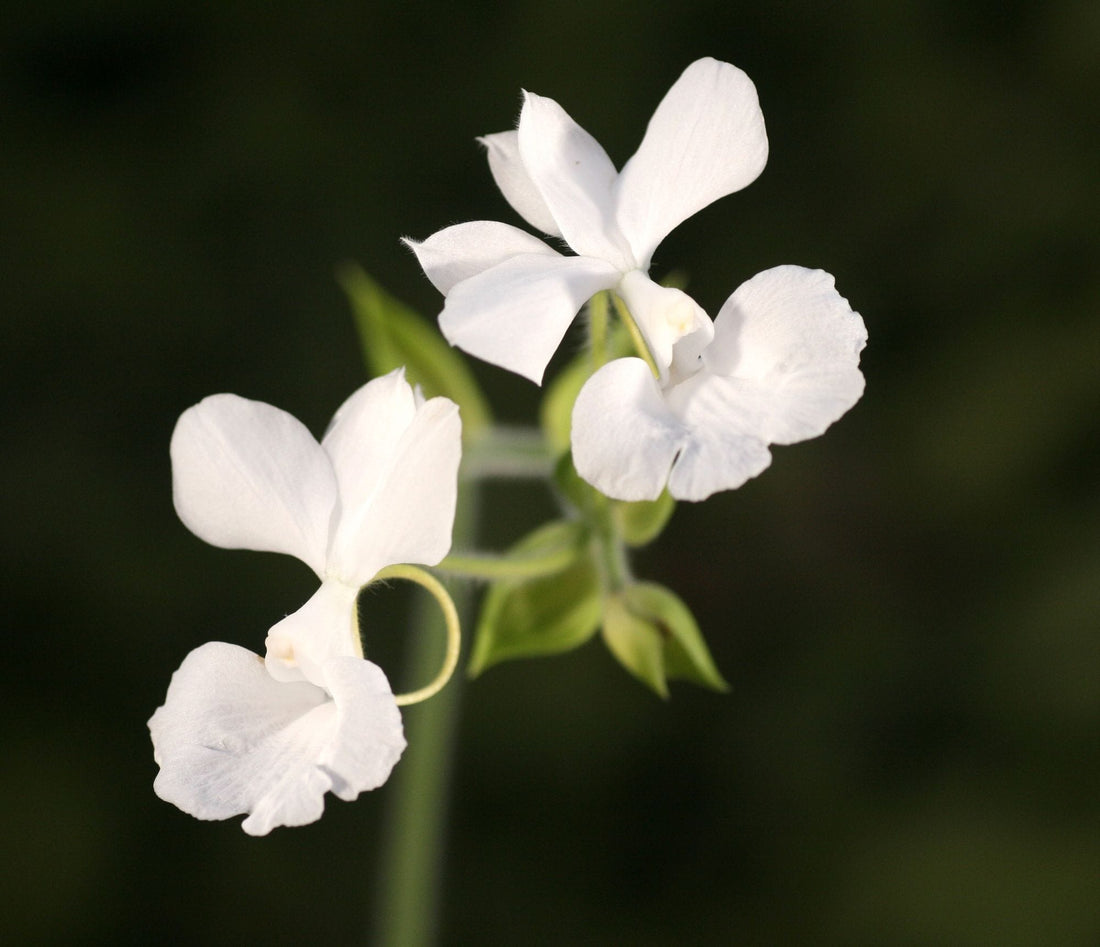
[393,335]
[641,522]
[546,615]
[654,636]
[636,643]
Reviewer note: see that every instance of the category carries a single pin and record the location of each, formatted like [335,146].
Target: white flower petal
[516,314]
[705,140]
[230,739]
[456,253]
[789,332]
[370,739]
[722,446]
[248,475]
[630,438]
[410,515]
[363,440]
[515,183]
[325,627]
[624,436]
[575,178]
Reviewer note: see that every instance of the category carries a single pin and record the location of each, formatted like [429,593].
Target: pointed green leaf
[636,644]
[393,335]
[655,636]
[540,616]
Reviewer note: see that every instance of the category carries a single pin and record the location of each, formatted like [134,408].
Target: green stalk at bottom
[407,906]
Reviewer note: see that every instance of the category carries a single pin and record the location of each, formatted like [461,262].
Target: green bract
[540,616]
[641,522]
[654,636]
[394,335]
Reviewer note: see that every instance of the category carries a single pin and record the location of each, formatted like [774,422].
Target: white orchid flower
[269,737]
[783,365]
[510,297]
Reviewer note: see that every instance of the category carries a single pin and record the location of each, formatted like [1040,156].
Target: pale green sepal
[642,522]
[541,616]
[655,636]
[578,493]
[393,335]
[636,643]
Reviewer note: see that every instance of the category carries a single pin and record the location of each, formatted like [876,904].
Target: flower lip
[783,364]
[232,740]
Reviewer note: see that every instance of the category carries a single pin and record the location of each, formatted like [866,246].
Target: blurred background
[907,609]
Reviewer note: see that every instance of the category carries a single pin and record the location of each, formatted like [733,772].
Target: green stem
[635,335]
[505,452]
[611,555]
[411,868]
[488,566]
[597,329]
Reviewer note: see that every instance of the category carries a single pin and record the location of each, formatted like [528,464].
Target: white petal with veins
[516,314]
[246,475]
[230,739]
[515,183]
[705,140]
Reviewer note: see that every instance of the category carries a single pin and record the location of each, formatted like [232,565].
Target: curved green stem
[450,617]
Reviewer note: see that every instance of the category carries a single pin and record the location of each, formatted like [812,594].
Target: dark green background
[908,609]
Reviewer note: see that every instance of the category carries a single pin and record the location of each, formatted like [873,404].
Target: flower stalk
[407,902]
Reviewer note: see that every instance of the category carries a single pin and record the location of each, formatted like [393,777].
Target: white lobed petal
[409,515]
[396,461]
[631,439]
[783,365]
[363,442]
[795,343]
[515,314]
[575,178]
[230,739]
[248,475]
[461,251]
[705,140]
[624,437]
[722,446]
[515,183]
